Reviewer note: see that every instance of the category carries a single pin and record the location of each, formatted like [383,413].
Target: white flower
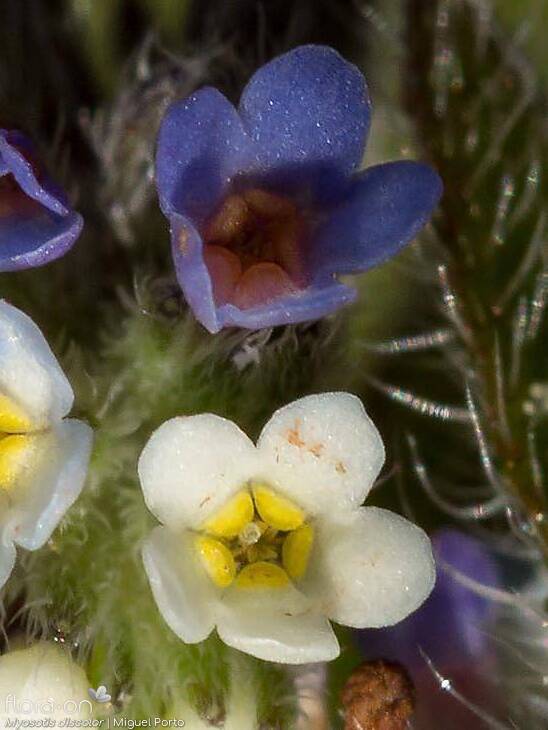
[43,456]
[268,542]
[42,682]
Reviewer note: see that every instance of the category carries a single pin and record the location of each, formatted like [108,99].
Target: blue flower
[265,203]
[36,223]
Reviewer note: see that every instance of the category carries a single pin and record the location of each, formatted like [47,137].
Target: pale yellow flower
[268,542]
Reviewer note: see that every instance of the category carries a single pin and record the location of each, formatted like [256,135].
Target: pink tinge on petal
[224,270]
[261,284]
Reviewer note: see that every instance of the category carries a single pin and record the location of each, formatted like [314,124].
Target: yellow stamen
[12,418]
[217,559]
[269,205]
[296,551]
[275,510]
[262,575]
[14,453]
[229,221]
[231,519]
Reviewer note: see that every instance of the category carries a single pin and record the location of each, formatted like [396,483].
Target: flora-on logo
[100,694]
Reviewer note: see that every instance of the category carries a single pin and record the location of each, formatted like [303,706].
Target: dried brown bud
[379,695]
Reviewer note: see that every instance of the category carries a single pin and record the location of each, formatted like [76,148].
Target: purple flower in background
[264,202]
[454,630]
[36,223]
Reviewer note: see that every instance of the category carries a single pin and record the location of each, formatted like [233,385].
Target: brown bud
[379,695]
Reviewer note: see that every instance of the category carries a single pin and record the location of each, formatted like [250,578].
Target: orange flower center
[253,249]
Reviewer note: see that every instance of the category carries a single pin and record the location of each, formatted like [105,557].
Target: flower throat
[253,248]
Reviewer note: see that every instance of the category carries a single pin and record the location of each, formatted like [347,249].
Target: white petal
[29,371]
[54,484]
[277,625]
[185,595]
[323,450]
[191,465]
[375,569]
[42,681]
[7,559]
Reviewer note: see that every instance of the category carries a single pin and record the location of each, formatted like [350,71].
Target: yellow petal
[261,575]
[277,511]
[12,418]
[14,455]
[296,551]
[217,560]
[231,519]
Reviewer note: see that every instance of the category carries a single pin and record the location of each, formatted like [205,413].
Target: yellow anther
[229,221]
[269,205]
[231,519]
[275,510]
[296,551]
[261,575]
[14,454]
[12,417]
[217,560]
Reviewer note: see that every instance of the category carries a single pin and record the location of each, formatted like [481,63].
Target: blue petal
[191,270]
[36,225]
[14,161]
[308,305]
[26,242]
[308,112]
[385,208]
[201,145]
